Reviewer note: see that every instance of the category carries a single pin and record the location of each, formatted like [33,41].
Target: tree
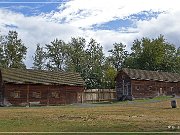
[169,60]
[14,51]
[177,61]
[152,54]
[109,74]
[39,58]
[95,60]
[56,55]
[1,52]
[133,60]
[118,55]
[76,55]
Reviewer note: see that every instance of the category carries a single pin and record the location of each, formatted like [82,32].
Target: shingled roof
[12,75]
[151,75]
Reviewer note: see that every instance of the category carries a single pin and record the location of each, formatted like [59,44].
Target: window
[15,94]
[36,94]
[55,94]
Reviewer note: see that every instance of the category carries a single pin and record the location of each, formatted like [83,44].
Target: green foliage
[89,60]
[153,54]
[118,55]
[86,59]
[99,71]
[39,58]
[95,59]
[14,51]
[109,77]
[56,55]
[1,52]
[177,61]
[76,55]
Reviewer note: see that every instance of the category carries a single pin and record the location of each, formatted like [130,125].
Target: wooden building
[27,86]
[133,83]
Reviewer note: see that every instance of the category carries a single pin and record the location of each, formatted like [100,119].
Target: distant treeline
[88,58]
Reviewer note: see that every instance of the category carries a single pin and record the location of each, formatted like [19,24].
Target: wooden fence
[95,95]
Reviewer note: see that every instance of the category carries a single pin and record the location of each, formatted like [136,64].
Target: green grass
[159,98]
[116,117]
[145,100]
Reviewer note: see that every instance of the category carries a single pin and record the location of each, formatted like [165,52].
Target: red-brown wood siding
[146,88]
[66,94]
[151,88]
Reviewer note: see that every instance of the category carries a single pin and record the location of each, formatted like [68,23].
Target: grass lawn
[134,116]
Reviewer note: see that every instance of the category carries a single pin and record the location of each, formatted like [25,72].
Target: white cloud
[85,13]
[77,17]
[165,24]
[33,30]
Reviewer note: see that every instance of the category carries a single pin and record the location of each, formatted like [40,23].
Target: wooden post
[28,95]
[127,89]
[110,94]
[77,97]
[99,95]
[65,95]
[92,95]
[103,94]
[48,94]
[123,87]
[82,97]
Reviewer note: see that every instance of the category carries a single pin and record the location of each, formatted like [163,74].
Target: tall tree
[56,55]
[118,55]
[169,60]
[39,58]
[177,61]
[152,54]
[76,55]
[109,73]
[14,51]
[95,60]
[1,52]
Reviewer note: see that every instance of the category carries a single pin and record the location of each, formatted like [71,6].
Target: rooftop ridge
[15,75]
[152,75]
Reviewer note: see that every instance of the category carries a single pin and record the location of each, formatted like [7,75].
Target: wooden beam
[48,94]
[28,94]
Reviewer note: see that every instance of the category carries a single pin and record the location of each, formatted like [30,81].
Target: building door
[125,89]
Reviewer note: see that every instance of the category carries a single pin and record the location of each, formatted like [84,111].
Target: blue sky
[107,21]
[30,8]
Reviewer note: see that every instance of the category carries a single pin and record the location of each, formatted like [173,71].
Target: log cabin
[134,83]
[27,86]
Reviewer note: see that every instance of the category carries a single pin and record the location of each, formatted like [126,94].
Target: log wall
[24,94]
[150,89]
[134,88]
